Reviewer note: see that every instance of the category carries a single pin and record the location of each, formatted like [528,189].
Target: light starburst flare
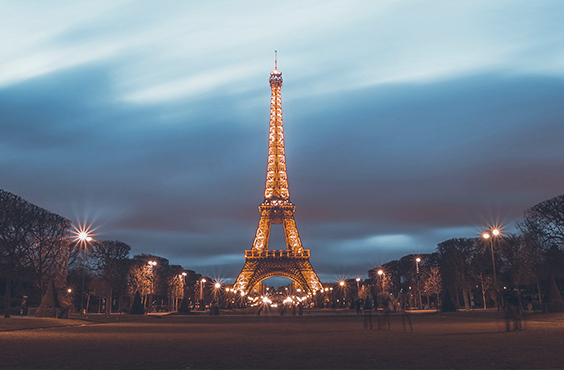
[83,233]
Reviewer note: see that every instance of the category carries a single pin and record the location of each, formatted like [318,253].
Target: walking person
[405,317]
[358,306]
[512,311]
[386,310]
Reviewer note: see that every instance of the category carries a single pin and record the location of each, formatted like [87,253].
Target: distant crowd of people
[383,306]
[294,308]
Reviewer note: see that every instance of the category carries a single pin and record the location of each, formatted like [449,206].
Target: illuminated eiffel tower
[292,262]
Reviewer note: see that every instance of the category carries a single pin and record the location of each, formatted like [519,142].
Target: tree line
[476,272]
[36,250]
[34,247]
[112,280]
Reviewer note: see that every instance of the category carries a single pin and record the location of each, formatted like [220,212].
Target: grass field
[474,340]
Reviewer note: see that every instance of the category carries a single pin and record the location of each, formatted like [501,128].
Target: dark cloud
[430,146]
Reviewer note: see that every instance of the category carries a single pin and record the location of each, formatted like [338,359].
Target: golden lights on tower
[293,262]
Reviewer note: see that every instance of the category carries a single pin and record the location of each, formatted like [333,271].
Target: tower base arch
[277,263]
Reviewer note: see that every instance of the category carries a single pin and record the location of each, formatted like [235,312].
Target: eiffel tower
[292,262]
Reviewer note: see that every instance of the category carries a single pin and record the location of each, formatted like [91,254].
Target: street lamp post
[494,233]
[184,274]
[84,238]
[342,284]
[381,275]
[417,260]
[216,286]
[381,296]
[202,281]
[151,264]
[242,302]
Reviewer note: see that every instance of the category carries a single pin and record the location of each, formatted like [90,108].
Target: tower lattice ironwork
[292,262]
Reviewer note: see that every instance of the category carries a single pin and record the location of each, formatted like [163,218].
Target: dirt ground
[475,340]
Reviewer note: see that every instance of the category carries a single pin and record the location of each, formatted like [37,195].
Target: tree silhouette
[32,240]
[110,263]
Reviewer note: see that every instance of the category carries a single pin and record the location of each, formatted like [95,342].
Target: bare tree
[30,238]
[432,283]
[486,283]
[546,221]
[48,254]
[175,282]
[520,259]
[110,263]
[15,230]
[543,232]
[140,280]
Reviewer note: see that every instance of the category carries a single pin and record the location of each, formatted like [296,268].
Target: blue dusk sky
[406,122]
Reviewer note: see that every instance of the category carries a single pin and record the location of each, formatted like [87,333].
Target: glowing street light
[381,275]
[82,235]
[83,238]
[151,265]
[180,294]
[202,281]
[358,283]
[495,232]
[487,235]
[342,284]
[417,261]
[216,286]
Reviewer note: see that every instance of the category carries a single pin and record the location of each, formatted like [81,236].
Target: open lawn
[474,340]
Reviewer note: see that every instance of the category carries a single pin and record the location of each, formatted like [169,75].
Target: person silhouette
[386,310]
[358,306]
[512,311]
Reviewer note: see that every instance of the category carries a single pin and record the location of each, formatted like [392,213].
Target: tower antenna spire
[275,59]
